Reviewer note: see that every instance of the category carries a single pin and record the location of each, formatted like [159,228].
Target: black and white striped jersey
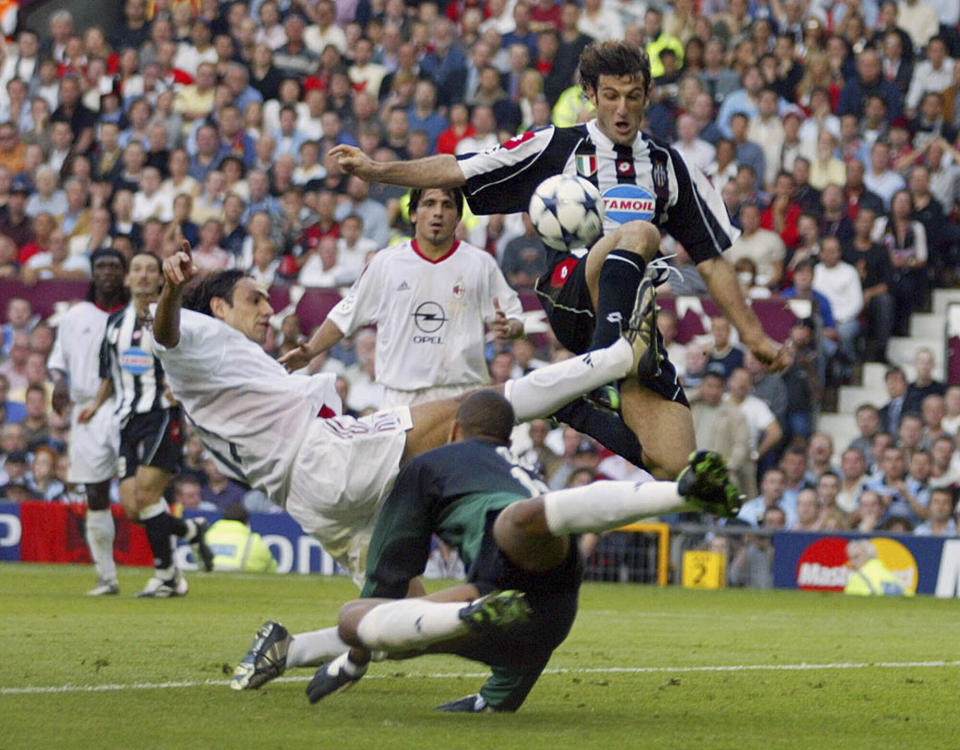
[647,180]
[127,359]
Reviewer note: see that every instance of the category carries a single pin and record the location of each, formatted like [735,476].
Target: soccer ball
[567,212]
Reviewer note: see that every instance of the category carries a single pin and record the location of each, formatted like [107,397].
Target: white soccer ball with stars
[567,212]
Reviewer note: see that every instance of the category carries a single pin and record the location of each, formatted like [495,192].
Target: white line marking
[41,690]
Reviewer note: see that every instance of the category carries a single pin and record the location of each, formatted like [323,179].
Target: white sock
[100,534]
[152,511]
[344,664]
[410,624]
[546,389]
[313,648]
[606,505]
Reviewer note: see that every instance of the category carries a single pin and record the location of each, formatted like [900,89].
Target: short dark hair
[486,415]
[455,193]
[236,512]
[220,284]
[613,58]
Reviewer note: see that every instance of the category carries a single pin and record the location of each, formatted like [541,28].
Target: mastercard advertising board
[818,562]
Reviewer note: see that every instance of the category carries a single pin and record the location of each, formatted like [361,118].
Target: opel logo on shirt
[429,317]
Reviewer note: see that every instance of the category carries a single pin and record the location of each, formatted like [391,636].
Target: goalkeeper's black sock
[620,275]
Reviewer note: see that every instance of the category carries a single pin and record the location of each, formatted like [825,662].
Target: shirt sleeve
[698,219]
[359,307]
[501,180]
[509,300]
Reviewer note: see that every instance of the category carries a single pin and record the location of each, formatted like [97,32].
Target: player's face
[620,103]
[436,217]
[143,278]
[250,312]
[107,275]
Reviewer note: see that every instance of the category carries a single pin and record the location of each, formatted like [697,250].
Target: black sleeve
[400,544]
[501,181]
[698,220]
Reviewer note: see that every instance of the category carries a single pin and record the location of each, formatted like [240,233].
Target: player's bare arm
[323,339]
[60,399]
[104,392]
[721,281]
[178,269]
[440,171]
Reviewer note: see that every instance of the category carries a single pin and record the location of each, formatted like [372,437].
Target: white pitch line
[42,690]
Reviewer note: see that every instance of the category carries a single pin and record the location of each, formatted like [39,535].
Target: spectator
[940,520]
[869,82]
[951,418]
[13,411]
[720,426]
[524,257]
[854,479]
[765,431]
[819,457]
[724,352]
[771,494]
[220,491]
[765,248]
[839,282]
[945,465]
[42,482]
[808,511]
[15,367]
[924,384]
[235,547]
[892,486]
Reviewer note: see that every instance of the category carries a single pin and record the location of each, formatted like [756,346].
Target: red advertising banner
[54,532]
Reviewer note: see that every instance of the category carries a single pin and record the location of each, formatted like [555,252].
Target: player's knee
[349,619]
[640,237]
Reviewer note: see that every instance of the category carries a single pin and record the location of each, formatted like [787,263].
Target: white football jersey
[250,413]
[76,350]
[429,314]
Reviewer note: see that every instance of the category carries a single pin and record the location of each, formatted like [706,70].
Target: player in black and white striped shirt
[150,427]
[645,185]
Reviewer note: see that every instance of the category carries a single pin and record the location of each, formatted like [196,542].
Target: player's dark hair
[221,284]
[455,193]
[486,415]
[615,57]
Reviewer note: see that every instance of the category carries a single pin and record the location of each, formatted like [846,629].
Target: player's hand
[774,357]
[60,400]
[297,358]
[503,327]
[178,269]
[353,161]
[86,413]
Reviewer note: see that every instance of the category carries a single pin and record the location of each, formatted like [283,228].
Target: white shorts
[94,446]
[343,472]
[393,397]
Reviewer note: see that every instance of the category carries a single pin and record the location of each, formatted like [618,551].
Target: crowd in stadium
[830,129]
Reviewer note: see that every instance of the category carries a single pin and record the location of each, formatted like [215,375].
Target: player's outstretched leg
[266,659]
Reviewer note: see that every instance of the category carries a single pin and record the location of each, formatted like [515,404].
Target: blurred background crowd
[830,129]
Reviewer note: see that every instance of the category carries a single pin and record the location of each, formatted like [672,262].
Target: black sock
[158,534]
[609,429]
[177,526]
[620,275]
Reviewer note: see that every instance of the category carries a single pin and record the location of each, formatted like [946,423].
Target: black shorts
[552,596]
[151,439]
[565,297]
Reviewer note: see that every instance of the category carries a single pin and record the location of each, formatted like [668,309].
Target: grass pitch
[643,668]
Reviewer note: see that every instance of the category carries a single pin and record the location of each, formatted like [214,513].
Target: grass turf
[635,672]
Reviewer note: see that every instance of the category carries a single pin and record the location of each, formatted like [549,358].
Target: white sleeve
[765,417]
[360,306]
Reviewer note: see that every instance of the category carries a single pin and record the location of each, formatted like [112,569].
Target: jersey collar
[599,138]
[451,251]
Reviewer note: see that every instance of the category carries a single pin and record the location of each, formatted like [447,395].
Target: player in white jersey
[282,433]
[151,434]
[429,298]
[75,365]
[645,185]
